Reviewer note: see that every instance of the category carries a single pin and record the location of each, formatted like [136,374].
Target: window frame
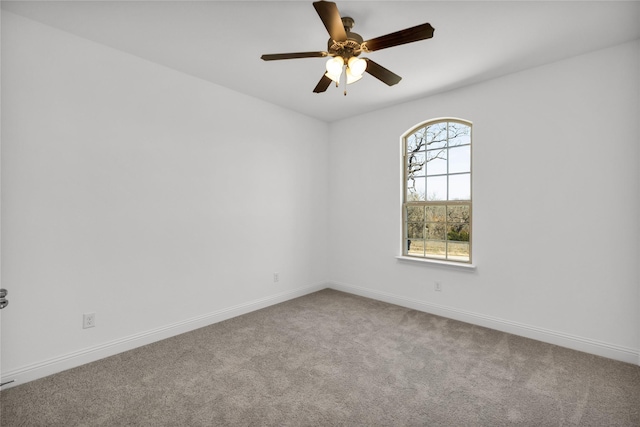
[404,192]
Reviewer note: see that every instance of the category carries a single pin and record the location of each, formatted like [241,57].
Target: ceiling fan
[344,47]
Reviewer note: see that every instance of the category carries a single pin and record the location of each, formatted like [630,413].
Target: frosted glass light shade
[334,77]
[351,78]
[357,66]
[334,65]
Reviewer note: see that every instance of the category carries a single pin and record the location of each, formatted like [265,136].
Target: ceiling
[221,41]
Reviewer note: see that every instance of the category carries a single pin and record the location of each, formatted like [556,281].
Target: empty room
[298,213]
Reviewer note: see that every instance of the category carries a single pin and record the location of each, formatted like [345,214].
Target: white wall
[159,201]
[556,205]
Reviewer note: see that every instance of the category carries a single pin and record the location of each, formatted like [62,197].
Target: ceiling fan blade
[277,56]
[328,12]
[408,35]
[381,73]
[322,85]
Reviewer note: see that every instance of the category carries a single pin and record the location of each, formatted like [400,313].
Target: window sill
[437,262]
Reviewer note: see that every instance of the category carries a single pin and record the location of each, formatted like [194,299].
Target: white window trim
[420,260]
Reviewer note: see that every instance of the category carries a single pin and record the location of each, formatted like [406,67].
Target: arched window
[437,191]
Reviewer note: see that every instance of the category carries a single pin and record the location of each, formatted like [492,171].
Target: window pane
[437,135]
[458,233]
[415,247]
[437,162]
[415,230]
[459,187]
[436,188]
[458,214]
[415,214]
[415,190]
[460,159]
[436,249]
[415,164]
[436,213]
[458,251]
[435,231]
[416,142]
[459,134]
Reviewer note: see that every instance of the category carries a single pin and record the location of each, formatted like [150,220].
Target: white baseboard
[586,345]
[91,354]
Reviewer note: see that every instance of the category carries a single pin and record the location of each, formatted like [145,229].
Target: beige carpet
[334,359]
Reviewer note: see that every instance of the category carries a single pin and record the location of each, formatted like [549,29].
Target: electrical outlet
[276,277]
[437,286]
[88,320]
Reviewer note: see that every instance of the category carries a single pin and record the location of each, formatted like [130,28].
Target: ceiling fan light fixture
[351,77]
[357,66]
[334,65]
[334,77]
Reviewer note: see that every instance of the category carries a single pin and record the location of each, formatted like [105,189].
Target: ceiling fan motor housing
[349,47]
